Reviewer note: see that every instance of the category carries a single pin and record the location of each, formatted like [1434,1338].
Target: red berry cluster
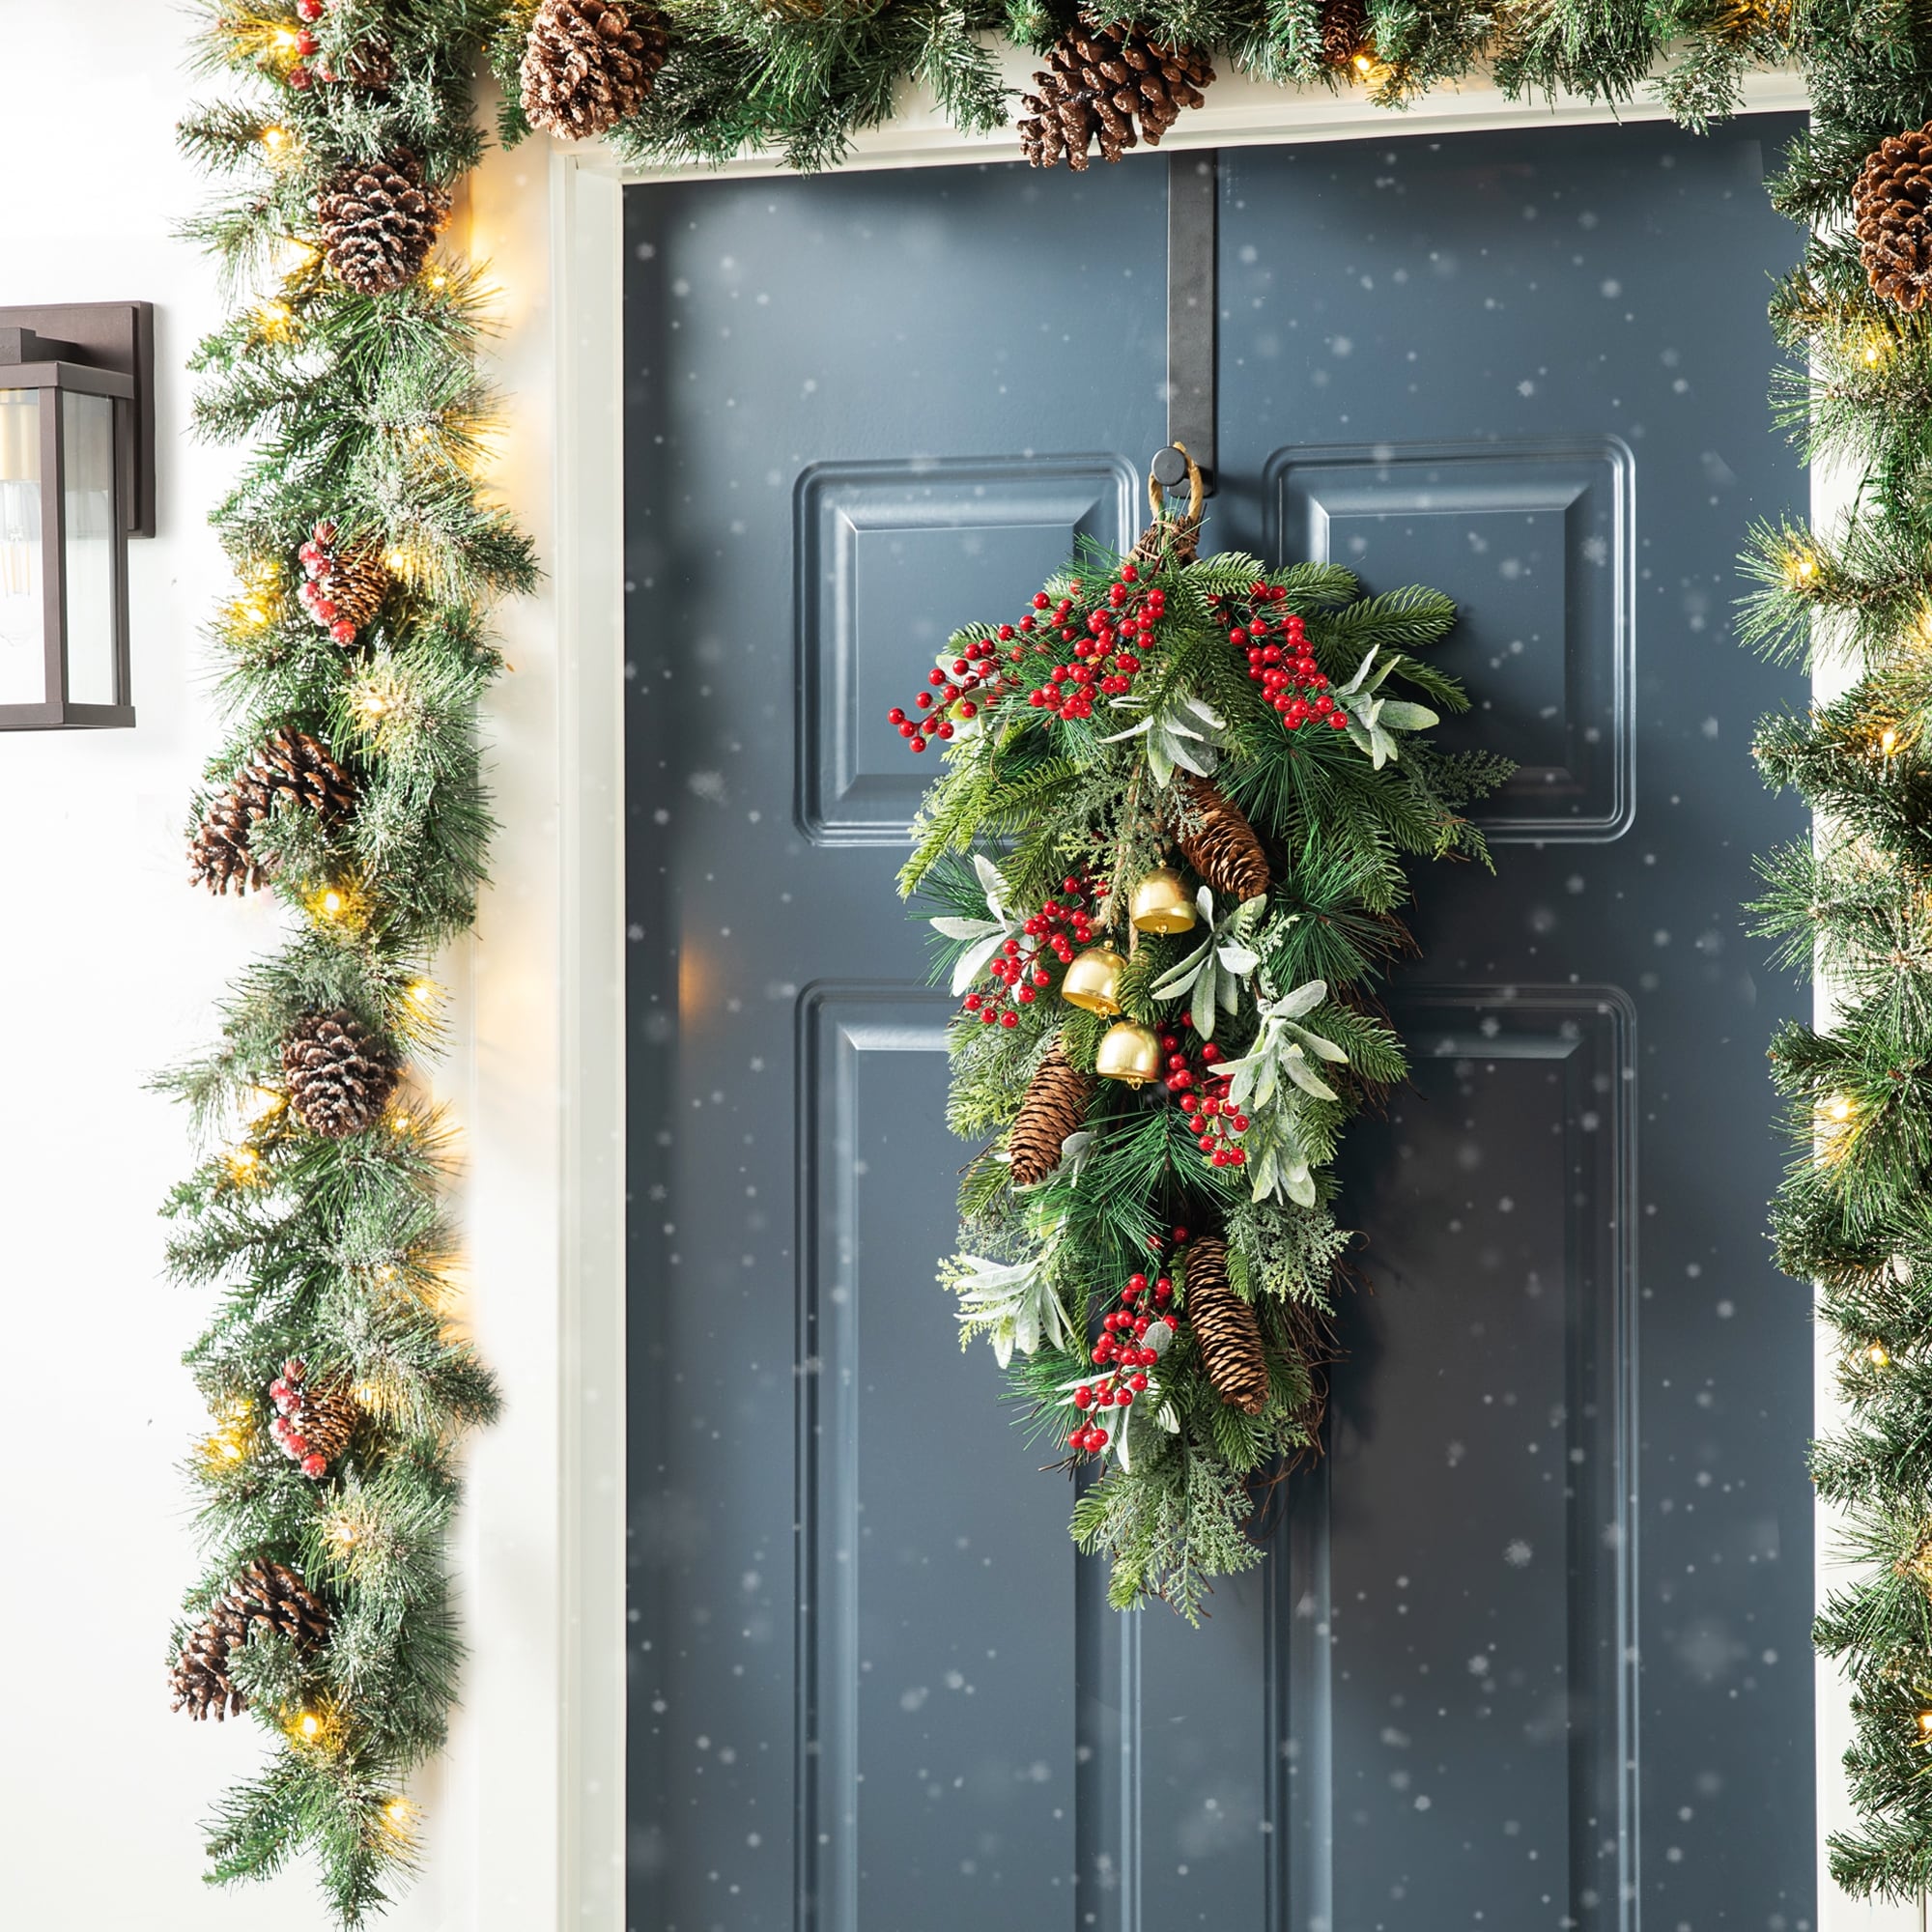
[1283,667]
[1124,1352]
[959,690]
[290,1397]
[1059,927]
[1104,660]
[318,561]
[305,46]
[1202,1091]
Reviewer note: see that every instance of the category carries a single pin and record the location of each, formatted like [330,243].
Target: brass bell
[1093,981]
[1160,902]
[1130,1053]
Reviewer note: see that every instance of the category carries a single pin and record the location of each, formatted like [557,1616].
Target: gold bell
[1160,902]
[1130,1053]
[1093,981]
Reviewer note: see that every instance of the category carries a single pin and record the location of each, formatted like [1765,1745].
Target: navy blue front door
[1530,1647]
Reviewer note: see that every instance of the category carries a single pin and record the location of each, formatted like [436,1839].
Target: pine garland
[354,657]
[802,80]
[1852,1212]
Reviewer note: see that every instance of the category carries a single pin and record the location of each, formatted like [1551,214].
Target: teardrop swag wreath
[1168,852]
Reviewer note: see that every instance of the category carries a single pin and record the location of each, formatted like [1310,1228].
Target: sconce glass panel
[23,597]
[90,528]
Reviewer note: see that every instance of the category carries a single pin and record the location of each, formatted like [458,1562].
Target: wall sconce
[76,480]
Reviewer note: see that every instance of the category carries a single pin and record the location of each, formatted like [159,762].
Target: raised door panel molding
[893,558]
[1534,540]
[1456,1645]
[965,1722]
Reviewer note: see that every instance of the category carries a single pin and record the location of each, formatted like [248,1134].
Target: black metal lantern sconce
[76,481]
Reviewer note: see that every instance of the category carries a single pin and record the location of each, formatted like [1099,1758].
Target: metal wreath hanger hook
[1169,470]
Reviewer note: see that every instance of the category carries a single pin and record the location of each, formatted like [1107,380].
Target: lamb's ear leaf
[1354,684]
[1406,717]
[1201,1010]
[1305,997]
[967,970]
[1304,1076]
[1178,978]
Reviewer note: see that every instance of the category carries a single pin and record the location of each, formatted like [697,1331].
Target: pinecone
[340,1075]
[1219,842]
[218,854]
[378,222]
[1891,214]
[288,763]
[1345,29]
[1099,79]
[1056,1104]
[265,1593]
[344,585]
[313,1421]
[1224,1326]
[368,64]
[590,64]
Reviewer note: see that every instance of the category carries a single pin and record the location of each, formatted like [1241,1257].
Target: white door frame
[538,1762]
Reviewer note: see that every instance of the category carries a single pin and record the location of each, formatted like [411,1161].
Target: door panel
[870,1674]
[1531,371]
[1531,1643]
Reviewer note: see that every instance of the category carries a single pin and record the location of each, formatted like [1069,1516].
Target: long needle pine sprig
[352,660]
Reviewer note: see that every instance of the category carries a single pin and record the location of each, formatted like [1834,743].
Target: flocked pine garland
[349,783]
[1169,849]
[353,654]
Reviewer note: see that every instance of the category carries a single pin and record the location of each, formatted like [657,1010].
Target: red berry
[896,716]
[300,79]
[1128,573]
[309,10]
[1040,600]
[314,1466]
[295,1446]
[1340,720]
[919,744]
[1009,1018]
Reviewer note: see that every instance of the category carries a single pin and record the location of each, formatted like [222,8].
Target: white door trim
[548,223]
